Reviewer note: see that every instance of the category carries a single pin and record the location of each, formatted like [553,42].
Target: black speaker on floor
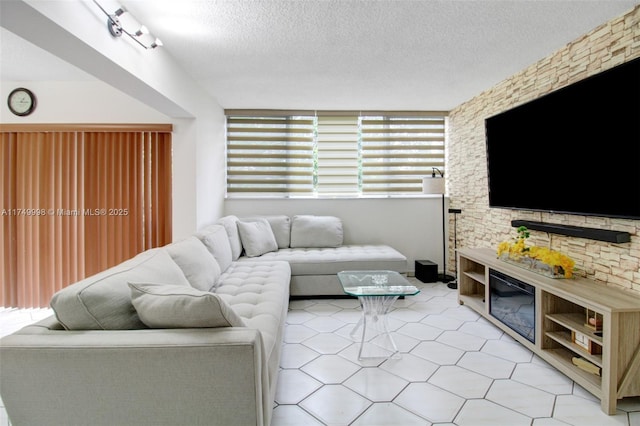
[426,271]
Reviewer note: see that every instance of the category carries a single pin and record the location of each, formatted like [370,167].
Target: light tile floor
[455,369]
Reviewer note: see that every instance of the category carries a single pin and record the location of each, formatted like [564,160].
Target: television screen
[575,150]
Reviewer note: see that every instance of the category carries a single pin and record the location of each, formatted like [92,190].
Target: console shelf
[604,361]
[472,279]
[564,338]
[575,322]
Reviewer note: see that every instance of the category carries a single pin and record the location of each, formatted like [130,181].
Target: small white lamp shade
[432,185]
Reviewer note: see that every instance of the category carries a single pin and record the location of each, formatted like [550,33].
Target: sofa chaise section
[314,270]
[313,247]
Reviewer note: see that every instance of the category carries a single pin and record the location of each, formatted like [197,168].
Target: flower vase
[533,265]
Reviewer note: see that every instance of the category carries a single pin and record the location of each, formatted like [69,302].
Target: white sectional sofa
[189,333]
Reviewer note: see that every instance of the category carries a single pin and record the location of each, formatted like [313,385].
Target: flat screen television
[575,150]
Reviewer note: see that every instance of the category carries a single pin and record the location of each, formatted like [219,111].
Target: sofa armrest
[173,376]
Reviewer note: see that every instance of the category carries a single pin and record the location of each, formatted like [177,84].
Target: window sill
[332,197]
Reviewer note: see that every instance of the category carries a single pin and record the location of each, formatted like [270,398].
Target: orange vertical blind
[8,272]
[78,201]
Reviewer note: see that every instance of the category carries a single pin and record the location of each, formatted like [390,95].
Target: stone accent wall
[610,44]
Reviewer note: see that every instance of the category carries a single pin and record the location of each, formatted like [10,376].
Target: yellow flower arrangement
[559,263]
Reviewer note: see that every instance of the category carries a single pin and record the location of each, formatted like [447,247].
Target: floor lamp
[435,185]
[454,284]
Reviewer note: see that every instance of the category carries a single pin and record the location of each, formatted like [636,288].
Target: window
[270,154]
[332,153]
[76,200]
[338,142]
[399,150]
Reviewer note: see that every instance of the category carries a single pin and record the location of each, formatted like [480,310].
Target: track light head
[121,22]
[141,31]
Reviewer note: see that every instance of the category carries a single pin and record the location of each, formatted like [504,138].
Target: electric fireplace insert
[513,302]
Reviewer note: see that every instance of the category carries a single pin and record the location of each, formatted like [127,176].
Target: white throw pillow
[257,237]
[280,225]
[175,306]
[316,231]
[197,263]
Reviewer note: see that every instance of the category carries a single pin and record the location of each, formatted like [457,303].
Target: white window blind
[332,153]
[397,151]
[338,137]
[270,154]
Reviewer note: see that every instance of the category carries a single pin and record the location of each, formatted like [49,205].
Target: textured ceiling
[350,54]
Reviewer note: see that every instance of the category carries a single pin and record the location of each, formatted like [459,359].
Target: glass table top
[376,283]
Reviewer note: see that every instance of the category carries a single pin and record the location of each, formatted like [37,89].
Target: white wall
[78,102]
[413,226]
[211,165]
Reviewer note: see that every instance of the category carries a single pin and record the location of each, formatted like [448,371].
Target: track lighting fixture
[122,22]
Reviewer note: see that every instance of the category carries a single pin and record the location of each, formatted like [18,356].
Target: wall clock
[21,101]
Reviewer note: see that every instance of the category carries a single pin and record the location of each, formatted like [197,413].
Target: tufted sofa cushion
[316,231]
[230,224]
[331,260]
[216,240]
[255,292]
[103,301]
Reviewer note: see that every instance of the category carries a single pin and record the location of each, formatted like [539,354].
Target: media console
[563,333]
